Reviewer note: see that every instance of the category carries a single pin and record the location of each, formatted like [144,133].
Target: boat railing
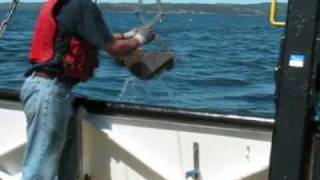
[169,114]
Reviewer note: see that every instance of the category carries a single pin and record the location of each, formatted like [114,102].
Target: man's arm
[92,28]
[120,48]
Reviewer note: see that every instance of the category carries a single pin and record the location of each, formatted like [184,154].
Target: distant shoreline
[174,8]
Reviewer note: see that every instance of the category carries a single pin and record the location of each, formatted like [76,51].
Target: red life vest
[81,59]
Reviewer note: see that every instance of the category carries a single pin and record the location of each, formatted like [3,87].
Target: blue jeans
[52,150]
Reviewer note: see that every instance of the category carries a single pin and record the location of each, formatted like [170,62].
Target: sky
[177,1]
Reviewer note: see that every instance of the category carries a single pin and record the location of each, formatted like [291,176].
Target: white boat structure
[133,142]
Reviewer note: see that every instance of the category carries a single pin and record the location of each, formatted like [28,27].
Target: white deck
[130,148]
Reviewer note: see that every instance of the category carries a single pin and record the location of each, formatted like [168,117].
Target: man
[67,35]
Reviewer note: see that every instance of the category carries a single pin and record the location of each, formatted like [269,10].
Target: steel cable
[5,22]
[157,18]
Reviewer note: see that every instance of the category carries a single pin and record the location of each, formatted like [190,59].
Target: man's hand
[130,34]
[145,34]
[119,48]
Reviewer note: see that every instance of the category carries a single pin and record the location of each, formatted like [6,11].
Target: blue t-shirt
[83,19]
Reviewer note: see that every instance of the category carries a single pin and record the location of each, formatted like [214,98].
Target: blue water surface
[225,63]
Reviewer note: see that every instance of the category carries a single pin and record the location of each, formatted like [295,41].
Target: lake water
[225,63]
